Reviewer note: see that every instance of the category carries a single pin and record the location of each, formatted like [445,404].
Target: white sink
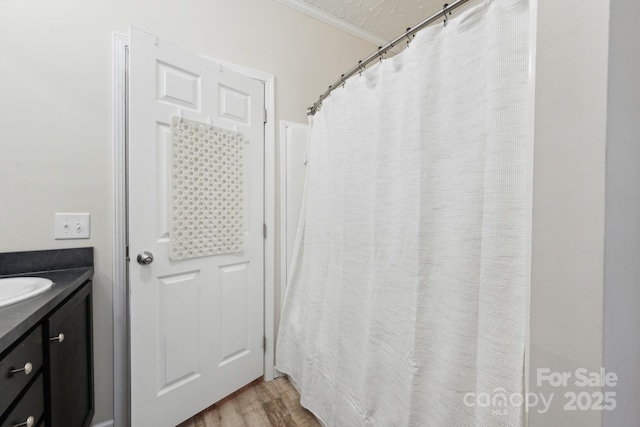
[16,289]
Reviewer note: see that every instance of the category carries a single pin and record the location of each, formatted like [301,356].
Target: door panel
[196,323]
[179,326]
[178,87]
[236,313]
[234,105]
[163,143]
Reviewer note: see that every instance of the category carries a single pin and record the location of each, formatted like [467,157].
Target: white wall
[622,249]
[55,69]
[568,199]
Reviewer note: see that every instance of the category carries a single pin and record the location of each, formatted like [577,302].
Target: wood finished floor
[274,403]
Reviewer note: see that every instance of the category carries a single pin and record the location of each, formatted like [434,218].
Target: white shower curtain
[406,300]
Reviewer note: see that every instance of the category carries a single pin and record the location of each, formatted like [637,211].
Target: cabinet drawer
[26,358]
[31,405]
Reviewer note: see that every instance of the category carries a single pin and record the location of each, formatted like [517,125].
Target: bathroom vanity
[46,342]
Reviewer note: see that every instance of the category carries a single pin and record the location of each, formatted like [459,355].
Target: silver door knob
[145,258]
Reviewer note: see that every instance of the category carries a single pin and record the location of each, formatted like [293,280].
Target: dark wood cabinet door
[69,374]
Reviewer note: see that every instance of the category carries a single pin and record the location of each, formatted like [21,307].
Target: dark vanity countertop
[16,319]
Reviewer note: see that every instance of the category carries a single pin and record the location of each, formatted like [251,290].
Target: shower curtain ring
[342,79]
[360,68]
[444,12]
[408,36]
[380,53]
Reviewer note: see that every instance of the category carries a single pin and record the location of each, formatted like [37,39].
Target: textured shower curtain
[405,305]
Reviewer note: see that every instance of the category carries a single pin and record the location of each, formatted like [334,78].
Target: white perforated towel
[206,190]
[406,298]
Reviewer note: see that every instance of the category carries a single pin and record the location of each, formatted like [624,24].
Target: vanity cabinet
[47,375]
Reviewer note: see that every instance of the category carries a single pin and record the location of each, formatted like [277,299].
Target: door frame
[284,140]
[121,350]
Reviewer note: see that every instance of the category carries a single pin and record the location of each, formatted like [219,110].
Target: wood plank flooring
[274,403]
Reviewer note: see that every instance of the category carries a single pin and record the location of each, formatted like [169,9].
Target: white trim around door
[121,386]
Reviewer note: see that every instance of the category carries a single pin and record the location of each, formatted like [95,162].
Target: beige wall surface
[55,86]
[568,202]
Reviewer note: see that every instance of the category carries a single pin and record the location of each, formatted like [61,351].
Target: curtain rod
[447,9]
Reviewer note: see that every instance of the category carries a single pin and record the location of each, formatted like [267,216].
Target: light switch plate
[72,226]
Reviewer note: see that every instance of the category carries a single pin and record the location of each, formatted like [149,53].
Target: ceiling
[375,20]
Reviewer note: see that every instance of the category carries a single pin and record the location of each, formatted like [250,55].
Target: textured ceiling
[384,18]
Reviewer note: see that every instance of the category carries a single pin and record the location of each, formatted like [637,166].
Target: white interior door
[196,324]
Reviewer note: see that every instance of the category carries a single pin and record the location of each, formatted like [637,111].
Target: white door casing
[293,162]
[196,325]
